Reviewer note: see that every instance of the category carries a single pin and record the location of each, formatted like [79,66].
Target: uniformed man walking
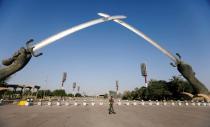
[111,102]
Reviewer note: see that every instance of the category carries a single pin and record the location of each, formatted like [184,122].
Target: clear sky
[97,56]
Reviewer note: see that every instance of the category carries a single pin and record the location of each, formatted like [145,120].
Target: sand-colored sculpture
[202,97]
[187,94]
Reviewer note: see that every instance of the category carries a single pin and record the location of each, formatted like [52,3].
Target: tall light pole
[45,86]
[144,72]
[74,86]
[63,79]
[78,89]
[117,86]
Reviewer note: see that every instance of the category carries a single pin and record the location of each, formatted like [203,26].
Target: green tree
[135,94]
[127,95]
[158,90]
[42,93]
[142,93]
[78,95]
[59,92]
[48,93]
[178,85]
[70,95]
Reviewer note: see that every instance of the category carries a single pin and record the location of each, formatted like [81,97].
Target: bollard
[179,103]
[142,102]
[119,103]
[39,103]
[27,104]
[31,102]
[1,101]
[58,103]
[198,103]
[67,103]
[172,103]
[101,103]
[186,103]
[204,104]
[84,104]
[134,103]
[92,103]
[150,102]
[157,103]
[165,103]
[192,103]
[127,103]
[75,104]
[49,103]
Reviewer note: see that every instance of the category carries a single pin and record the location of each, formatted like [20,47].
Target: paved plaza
[97,116]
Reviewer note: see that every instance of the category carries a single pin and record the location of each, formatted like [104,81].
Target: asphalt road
[97,116]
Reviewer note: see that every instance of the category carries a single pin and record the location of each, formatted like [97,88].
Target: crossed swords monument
[23,55]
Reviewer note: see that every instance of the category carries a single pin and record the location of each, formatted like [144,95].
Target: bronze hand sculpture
[188,73]
[17,61]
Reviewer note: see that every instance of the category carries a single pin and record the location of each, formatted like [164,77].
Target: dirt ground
[97,116]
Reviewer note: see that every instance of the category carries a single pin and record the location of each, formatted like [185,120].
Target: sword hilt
[30,49]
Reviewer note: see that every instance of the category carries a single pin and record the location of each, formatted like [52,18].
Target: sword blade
[145,37]
[73,30]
